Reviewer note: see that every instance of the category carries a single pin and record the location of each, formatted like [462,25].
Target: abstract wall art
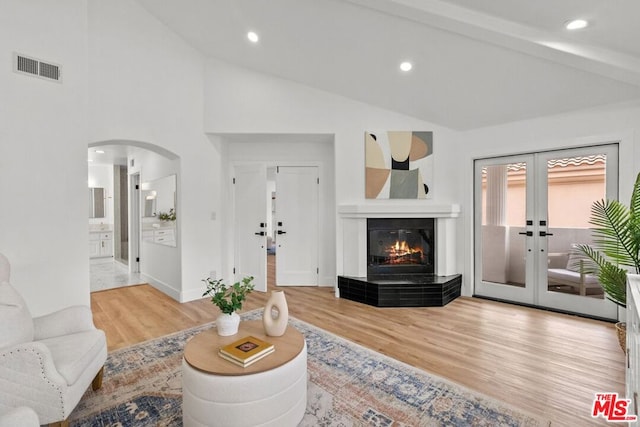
[398,164]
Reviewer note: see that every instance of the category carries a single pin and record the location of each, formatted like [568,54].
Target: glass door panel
[529,212]
[501,226]
[569,181]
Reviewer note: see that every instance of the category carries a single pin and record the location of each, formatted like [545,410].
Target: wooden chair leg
[97,381]
[63,423]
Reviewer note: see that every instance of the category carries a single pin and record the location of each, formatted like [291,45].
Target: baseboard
[161,286]
[191,294]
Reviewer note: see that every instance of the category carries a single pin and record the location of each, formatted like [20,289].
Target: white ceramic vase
[227,324]
[276,326]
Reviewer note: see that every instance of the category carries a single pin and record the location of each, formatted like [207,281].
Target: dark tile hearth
[406,290]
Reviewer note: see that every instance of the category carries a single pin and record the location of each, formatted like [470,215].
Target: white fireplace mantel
[370,210]
[353,229]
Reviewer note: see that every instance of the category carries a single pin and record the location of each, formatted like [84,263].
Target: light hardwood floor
[546,363]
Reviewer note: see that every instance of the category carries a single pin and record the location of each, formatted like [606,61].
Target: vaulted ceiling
[475,62]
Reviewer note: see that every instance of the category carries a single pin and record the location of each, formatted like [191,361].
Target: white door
[296,226]
[529,212]
[250,208]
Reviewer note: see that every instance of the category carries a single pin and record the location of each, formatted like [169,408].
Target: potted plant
[167,216]
[228,299]
[616,248]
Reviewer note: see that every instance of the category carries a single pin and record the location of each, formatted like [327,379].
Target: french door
[297,226]
[297,237]
[250,208]
[529,212]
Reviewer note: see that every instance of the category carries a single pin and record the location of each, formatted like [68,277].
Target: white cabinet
[162,235]
[633,342]
[100,244]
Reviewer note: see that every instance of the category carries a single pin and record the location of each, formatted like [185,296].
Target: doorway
[121,214]
[530,210]
[276,223]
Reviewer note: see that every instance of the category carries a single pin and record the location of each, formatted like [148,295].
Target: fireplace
[399,255]
[398,246]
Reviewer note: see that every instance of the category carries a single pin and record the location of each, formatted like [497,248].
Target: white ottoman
[270,392]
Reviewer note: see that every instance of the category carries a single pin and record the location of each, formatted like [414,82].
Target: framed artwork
[398,164]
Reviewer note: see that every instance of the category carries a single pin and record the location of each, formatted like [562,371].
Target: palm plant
[616,244]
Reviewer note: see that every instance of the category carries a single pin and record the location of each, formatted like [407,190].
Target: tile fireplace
[406,259]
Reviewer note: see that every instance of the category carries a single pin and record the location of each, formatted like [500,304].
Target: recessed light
[253,37]
[89,160]
[406,66]
[576,24]
[100,151]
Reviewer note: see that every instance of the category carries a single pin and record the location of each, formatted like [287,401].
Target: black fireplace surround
[401,267]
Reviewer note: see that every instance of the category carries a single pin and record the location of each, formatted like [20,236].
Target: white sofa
[46,363]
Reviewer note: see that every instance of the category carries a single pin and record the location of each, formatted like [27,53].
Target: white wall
[615,123]
[101,176]
[240,101]
[146,84]
[43,154]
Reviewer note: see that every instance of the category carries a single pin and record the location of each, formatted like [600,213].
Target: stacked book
[246,351]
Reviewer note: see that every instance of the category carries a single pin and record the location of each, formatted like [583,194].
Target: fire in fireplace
[400,246]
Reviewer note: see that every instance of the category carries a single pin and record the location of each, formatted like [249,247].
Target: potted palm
[228,299]
[616,248]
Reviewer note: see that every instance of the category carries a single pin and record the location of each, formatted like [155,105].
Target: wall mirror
[96,202]
[158,211]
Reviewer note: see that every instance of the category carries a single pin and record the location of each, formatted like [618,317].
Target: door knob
[527,233]
[260,233]
[282,232]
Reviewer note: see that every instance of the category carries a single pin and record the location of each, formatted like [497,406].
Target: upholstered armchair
[20,416]
[46,363]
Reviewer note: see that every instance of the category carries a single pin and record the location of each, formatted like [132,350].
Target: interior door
[297,226]
[250,207]
[530,212]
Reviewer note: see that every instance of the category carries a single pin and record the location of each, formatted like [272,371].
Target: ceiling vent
[34,67]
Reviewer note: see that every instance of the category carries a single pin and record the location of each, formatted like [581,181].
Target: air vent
[33,67]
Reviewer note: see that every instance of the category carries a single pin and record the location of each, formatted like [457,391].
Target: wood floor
[546,363]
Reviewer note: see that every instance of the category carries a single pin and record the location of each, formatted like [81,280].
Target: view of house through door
[529,212]
[276,218]
[121,214]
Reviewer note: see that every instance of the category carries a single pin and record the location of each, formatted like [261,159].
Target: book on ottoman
[246,351]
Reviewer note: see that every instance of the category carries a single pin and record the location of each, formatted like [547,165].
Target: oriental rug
[348,385]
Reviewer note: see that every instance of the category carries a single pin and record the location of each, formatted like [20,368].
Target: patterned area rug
[349,385]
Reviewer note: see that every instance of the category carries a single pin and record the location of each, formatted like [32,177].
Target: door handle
[261,233]
[544,233]
[282,232]
[527,233]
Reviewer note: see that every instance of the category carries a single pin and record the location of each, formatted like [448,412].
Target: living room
[128,77]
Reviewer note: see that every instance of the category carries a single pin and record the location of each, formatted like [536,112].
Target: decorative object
[276,326]
[246,351]
[398,164]
[228,300]
[167,216]
[145,388]
[227,324]
[615,249]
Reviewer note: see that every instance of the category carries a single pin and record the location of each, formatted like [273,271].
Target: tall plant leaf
[616,244]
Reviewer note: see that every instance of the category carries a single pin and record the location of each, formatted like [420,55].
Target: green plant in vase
[228,299]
